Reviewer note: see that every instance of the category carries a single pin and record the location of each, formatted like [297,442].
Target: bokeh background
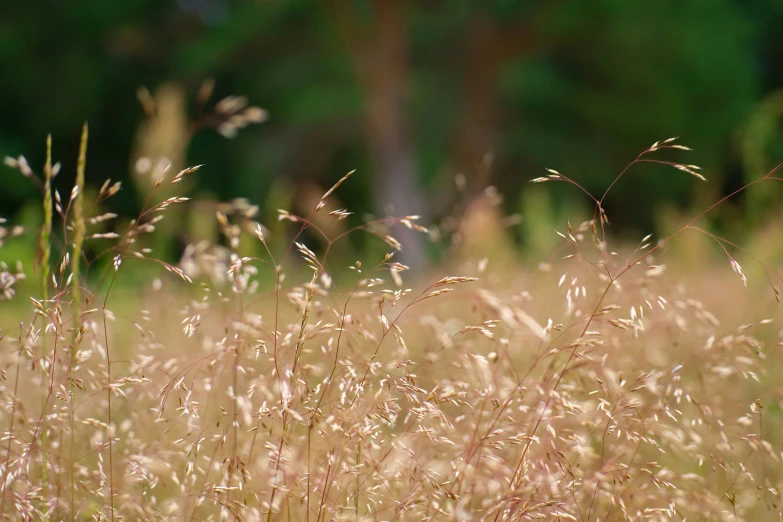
[434,102]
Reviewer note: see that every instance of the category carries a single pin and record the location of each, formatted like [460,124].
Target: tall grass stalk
[286,401]
[78,237]
[46,250]
[76,294]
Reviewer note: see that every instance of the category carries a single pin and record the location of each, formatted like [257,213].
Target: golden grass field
[596,386]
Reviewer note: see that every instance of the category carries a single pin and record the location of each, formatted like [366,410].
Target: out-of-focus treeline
[432,101]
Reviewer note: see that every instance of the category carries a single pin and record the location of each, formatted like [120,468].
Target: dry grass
[595,389]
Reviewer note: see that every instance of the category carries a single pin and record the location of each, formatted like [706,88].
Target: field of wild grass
[599,385]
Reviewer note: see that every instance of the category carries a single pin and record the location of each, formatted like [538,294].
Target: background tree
[409,93]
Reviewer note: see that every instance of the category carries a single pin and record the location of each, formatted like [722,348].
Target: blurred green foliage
[578,85]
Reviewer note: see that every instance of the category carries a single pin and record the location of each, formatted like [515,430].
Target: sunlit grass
[290,385]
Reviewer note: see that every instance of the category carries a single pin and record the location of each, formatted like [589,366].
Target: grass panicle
[268,375]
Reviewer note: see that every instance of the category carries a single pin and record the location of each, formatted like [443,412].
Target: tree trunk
[379,54]
[489,46]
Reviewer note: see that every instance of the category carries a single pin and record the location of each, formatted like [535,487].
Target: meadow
[258,380]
